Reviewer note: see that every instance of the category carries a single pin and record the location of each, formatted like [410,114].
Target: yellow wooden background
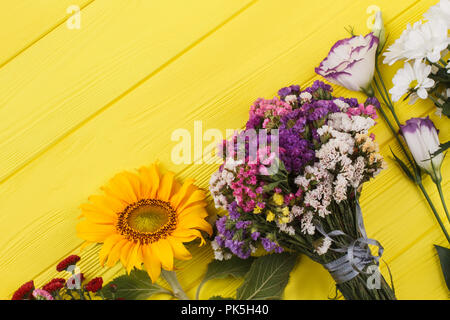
[78,106]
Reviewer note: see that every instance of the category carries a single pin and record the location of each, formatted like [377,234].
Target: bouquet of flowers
[291,181]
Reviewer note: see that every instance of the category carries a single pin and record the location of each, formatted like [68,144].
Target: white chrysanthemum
[440,11]
[412,78]
[421,41]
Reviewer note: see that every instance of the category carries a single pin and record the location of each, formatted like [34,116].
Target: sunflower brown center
[147,221]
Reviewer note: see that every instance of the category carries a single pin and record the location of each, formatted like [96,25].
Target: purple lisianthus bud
[422,139]
[351,63]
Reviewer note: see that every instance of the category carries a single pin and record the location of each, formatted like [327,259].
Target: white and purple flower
[422,138]
[351,62]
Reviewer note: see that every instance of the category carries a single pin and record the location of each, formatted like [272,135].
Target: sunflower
[144,218]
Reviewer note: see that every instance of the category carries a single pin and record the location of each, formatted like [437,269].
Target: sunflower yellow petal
[194,211]
[197,223]
[151,263]
[109,243]
[133,257]
[94,232]
[96,215]
[186,189]
[109,204]
[163,251]
[125,253]
[188,235]
[154,178]
[197,197]
[165,188]
[179,250]
[114,254]
[121,188]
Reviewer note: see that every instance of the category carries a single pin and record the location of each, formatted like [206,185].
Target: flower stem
[172,280]
[389,104]
[441,194]
[394,132]
[434,210]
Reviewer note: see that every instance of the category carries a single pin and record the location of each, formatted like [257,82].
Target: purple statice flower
[233,211]
[352,102]
[320,109]
[220,240]
[295,150]
[255,235]
[373,101]
[243,224]
[287,91]
[319,85]
[270,245]
[238,248]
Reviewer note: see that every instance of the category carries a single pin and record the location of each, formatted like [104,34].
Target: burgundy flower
[54,285]
[94,285]
[69,261]
[24,292]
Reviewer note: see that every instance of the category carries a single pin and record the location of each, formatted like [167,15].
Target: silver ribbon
[357,255]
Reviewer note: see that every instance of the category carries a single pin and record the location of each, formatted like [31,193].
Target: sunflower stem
[172,280]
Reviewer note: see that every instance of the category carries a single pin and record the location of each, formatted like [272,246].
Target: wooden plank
[71,75]
[136,130]
[24,22]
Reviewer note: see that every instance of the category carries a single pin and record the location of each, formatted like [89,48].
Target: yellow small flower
[257,210]
[285,211]
[284,220]
[278,199]
[270,216]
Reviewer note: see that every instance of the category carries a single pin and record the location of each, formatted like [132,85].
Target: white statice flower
[448,66]
[341,104]
[340,188]
[306,223]
[420,41]
[291,99]
[297,211]
[412,78]
[358,173]
[325,245]
[343,122]
[440,11]
[305,97]
[286,228]
[218,253]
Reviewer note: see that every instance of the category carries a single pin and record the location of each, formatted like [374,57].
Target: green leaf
[135,286]
[403,166]
[220,298]
[234,267]
[444,258]
[267,278]
[443,147]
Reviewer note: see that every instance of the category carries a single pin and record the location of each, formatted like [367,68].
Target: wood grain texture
[26,22]
[78,108]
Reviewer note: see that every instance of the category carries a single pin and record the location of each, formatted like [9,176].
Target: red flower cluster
[61,289]
[69,261]
[24,292]
[94,285]
[54,285]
